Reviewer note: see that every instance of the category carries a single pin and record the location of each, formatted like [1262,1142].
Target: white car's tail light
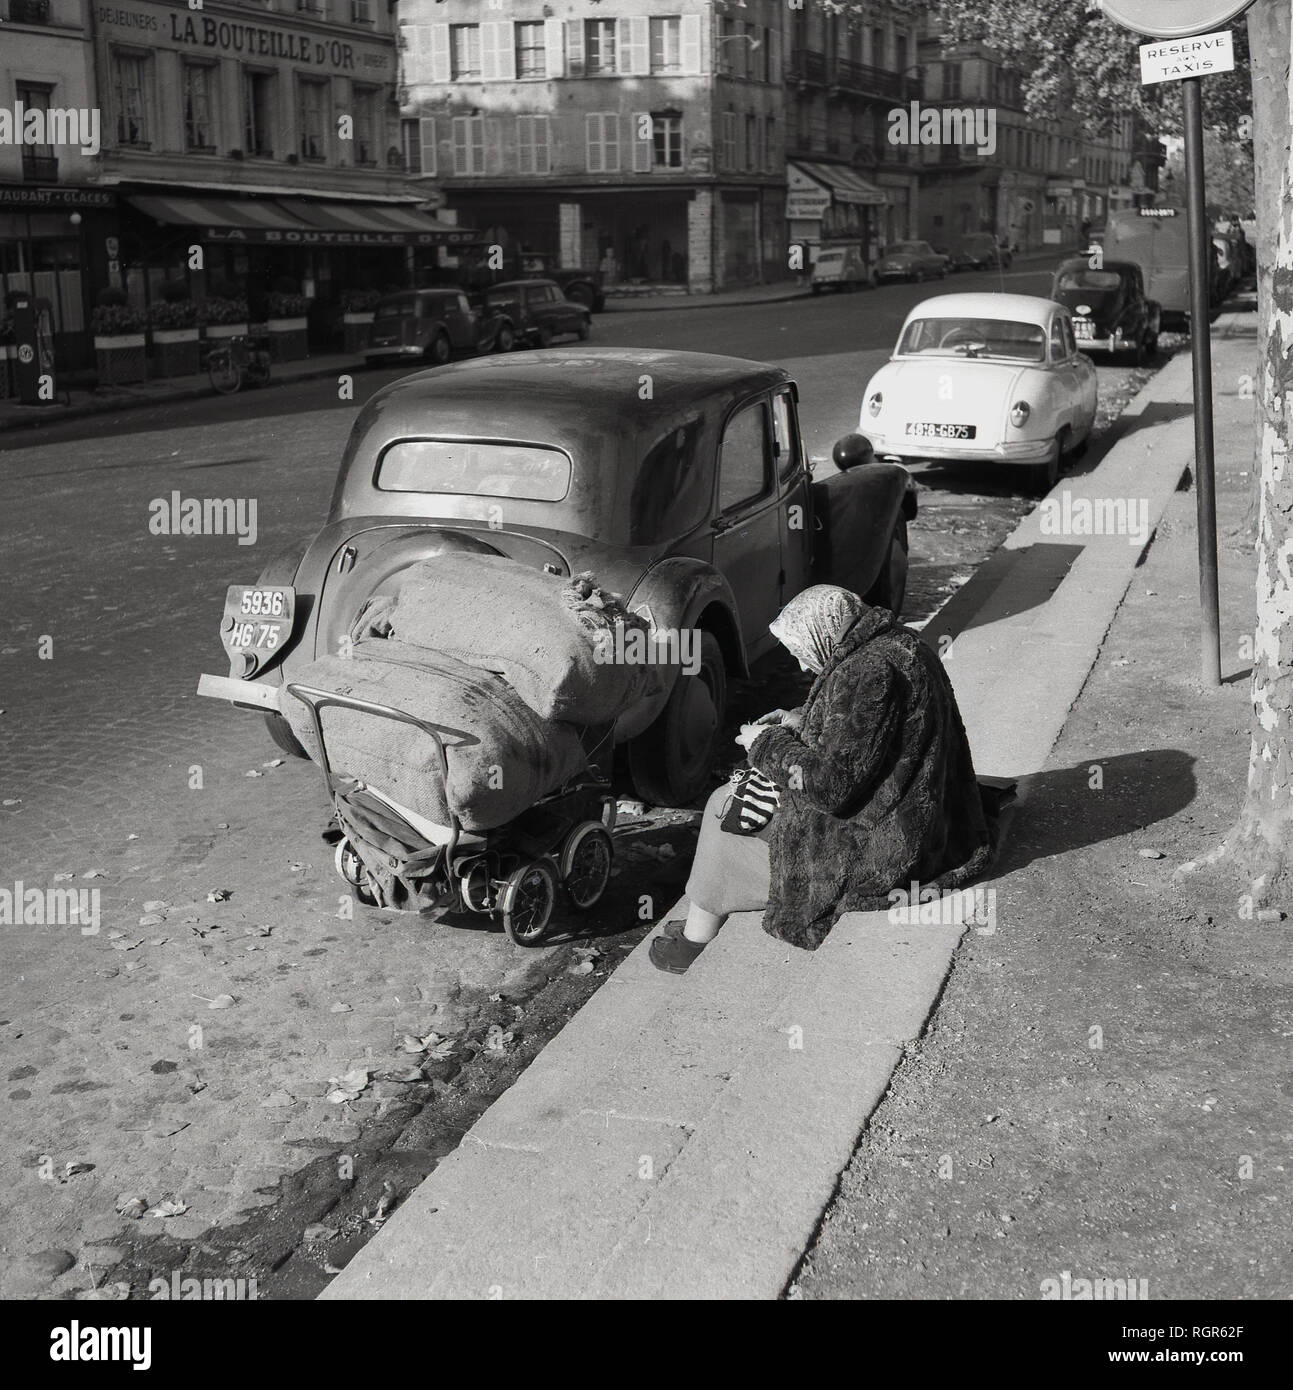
[1019,413]
[875,403]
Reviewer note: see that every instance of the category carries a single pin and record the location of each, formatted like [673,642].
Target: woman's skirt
[730,872]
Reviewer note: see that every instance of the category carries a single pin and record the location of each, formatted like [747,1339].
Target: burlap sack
[538,631]
[518,757]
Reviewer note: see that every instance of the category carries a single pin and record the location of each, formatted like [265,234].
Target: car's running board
[248,694]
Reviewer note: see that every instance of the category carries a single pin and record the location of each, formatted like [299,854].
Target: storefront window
[199,133]
[130,78]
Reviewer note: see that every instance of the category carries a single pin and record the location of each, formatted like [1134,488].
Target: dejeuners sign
[243,40]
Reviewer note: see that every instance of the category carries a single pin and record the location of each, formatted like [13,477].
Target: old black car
[1110,311]
[434,325]
[679,479]
[538,311]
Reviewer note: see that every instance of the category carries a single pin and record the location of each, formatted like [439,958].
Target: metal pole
[1205,487]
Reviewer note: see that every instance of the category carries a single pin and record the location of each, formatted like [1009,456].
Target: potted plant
[173,321]
[120,340]
[288,323]
[357,317]
[223,313]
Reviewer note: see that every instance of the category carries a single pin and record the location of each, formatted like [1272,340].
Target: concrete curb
[682,1137]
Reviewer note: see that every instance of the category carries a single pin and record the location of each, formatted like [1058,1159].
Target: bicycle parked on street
[236,360]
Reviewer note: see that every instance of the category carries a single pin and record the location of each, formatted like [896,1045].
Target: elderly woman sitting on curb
[876,784]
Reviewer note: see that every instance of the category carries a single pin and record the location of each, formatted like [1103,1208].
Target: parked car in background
[696,504]
[910,260]
[981,251]
[840,267]
[432,326]
[1157,239]
[1111,312]
[579,284]
[987,378]
[538,311]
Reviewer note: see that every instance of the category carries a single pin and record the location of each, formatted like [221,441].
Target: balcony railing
[39,168]
[843,75]
[806,66]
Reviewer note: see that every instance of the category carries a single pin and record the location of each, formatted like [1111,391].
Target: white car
[989,378]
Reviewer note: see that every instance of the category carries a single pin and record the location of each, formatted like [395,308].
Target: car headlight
[874,403]
[1019,413]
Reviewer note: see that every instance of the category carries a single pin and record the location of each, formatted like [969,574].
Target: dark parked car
[695,503]
[538,311]
[910,260]
[981,251]
[580,285]
[433,325]
[1110,310]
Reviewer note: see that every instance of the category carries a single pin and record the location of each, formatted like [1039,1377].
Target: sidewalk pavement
[682,1137]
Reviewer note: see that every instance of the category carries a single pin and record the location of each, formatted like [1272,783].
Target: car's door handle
[723,523]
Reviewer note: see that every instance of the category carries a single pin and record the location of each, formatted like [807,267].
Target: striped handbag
[752,802]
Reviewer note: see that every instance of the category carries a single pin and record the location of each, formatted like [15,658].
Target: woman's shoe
[674,953]
[673,927]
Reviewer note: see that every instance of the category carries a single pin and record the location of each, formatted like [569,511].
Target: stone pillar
[700,242]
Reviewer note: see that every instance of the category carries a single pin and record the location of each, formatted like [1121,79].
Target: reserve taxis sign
[1170,59]
[1172,19]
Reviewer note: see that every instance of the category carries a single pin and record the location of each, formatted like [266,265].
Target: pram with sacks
[468,760]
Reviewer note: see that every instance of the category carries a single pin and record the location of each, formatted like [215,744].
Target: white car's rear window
[975,338]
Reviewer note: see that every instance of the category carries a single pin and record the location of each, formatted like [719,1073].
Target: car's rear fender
[855,515]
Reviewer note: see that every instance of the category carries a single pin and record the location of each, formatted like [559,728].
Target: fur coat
[877,786]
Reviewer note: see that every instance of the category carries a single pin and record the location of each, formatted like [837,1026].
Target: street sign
[1168,60]
[1172,19]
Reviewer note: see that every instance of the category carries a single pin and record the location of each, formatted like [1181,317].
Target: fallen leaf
[340,1008]
[1151,854]
[170,1206]
[58,878]
[273,762]
[277,1098]
[585,967]
[75,1167]
[587,952]
[131,1207]
[105,1293]
[495,998]
[221,1001]
[318,1232]
[151,919]
[94,873]
[127,945]
[219,895]
[441,1051]
[348,1087]
[254,773]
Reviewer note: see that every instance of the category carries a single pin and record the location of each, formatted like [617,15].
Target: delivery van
[1157,239]
[839,266]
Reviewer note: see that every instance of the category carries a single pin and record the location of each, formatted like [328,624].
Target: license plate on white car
[1083,328]
[257,621]
[923,430]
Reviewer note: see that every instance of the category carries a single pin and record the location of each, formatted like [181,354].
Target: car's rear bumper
[904,450]
[395,352]
[248,694]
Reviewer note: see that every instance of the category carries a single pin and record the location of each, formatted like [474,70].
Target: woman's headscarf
[812,623]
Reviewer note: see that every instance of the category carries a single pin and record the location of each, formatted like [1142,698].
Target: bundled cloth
[502,757]
[559,643]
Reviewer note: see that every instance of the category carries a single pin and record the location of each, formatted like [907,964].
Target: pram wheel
[586,863]
[527,900]
[355,872]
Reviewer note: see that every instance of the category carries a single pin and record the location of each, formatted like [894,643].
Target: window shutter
[440,71]
[574,48]
[505,48]
[493,145]
[611,141]
[461,164]
[642,148]
[542,147]
[554,47]
[640,29]
[426,142]
[489,52]
[689,43]
[593,141]
[524,147]
[774,56]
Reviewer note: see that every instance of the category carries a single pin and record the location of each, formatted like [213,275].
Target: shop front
[57,243]
[832,202]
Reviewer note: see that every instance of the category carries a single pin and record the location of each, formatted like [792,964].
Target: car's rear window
[395,308]
[1083,278]
[475,468]
[974,337]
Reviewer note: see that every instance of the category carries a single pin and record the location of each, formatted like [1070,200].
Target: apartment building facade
[649,145]
[846,70]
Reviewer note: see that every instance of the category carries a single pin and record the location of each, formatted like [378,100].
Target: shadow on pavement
[1066,812]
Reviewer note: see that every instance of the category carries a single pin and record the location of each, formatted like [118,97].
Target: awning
[845,184]
[303,221]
